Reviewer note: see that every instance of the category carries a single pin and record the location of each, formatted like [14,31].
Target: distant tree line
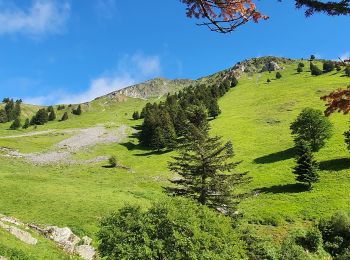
[166,121]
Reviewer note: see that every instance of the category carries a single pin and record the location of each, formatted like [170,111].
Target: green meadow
[256,116]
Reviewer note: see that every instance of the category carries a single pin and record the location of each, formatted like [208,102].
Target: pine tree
[213,109]
[26,124]
[234,82]
[136,115]
[9,106]
[41,117]
[3,116]
[328,66]
[299,69]
[158,140]
[306,168]
[204,166]
[315,70]
[278,75]
[52,115]
[77,111]
[15,124]
[64,117]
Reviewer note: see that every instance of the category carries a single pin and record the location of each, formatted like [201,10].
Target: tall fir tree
[15,124]
[52,115]
[204,165]
[9,106]
[3,116]
[64,117]
[306,167]
[136,115]
[41,117]
[77,111]
[26,124]
[213,108]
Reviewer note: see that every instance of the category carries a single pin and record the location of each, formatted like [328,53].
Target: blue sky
[69,51]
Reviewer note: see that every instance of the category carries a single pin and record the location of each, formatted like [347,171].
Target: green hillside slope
[255,116]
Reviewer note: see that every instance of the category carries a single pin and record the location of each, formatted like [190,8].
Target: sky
[71,51]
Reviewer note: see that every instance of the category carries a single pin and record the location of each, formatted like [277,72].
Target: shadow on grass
[144,151]
[276,157]
[287,188]
[335,164]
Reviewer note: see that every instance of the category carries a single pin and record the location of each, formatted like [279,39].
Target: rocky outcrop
[3,258]
[157,87]
[86,252]
[22,235]
[271,66]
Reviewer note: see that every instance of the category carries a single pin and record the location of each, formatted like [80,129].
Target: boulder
[2,258]
[87,240]
[271,66]
[64,237]
[86,252]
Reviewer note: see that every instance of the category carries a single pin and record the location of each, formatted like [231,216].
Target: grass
[255,117]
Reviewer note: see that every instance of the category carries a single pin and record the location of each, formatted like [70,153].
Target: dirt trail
[61,152]
[40,133]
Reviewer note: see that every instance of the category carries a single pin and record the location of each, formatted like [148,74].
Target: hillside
[78,189]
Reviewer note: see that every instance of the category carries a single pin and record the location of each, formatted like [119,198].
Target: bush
[290,250]
[174,229]
[278,75]
[336,233]
[315,71]
[338,67]
[113,161]
[312,127]
[136,115]
[234,82]
[328,66]
[268,80]
[77,111]
[312,57]
[312,240]
[26,124]
[301,65]
[41,117]
[64,117]
[299,69]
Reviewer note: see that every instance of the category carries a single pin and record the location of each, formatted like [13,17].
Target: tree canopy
[225,16]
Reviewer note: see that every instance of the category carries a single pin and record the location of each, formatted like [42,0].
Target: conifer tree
[306,168]
[41,117]
[15,124]
[9,106]
[158,140]
[136,115]
[26,124]
[213,109]
[64,117]
[3,116]
[52,115]
[315,71]
[205,169]
[234,82]
[77,111]
[278,75]
[299,69]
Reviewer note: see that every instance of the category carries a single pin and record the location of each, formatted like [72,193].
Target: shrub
[290,250]
[328,66]
[41,117]
[136,115]
[234,82]
[299,69]
[338,67]
[268,80]
[278,75]
[312,127]
[315,71]
[174,229]
[26,124]
[336,233]
[313,240]
[301,65]
[77,111]
[113,161]
[312,57]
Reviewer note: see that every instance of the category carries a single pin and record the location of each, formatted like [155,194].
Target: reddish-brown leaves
[338,101]
[223,15]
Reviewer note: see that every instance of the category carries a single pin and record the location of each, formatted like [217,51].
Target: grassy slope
[255,116]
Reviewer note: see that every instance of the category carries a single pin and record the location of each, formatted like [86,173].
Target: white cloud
[43,16]
[131,69]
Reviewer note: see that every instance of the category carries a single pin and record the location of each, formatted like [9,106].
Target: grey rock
[3,258]
[87,240]
[86,252]
[20,234]
[271,66]
[64,237]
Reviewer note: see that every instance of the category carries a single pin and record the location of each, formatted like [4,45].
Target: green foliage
[52,115]
[312,240]
[278,75]
[64,117]
[328,66]
[205,169]
[26,124]
[315,71]
[175,229]
[268,80]
[214,109]
[347,71]
[336,233]
[299,69]
[136,115]
[40,118]
[312,57]
[77,111]
[313,127]
[234,82]
[61,107]
[338,67]
[113,162]
[15,124]
[14,254]
[3,116]
[306,168]
[290,250]
[301,65]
